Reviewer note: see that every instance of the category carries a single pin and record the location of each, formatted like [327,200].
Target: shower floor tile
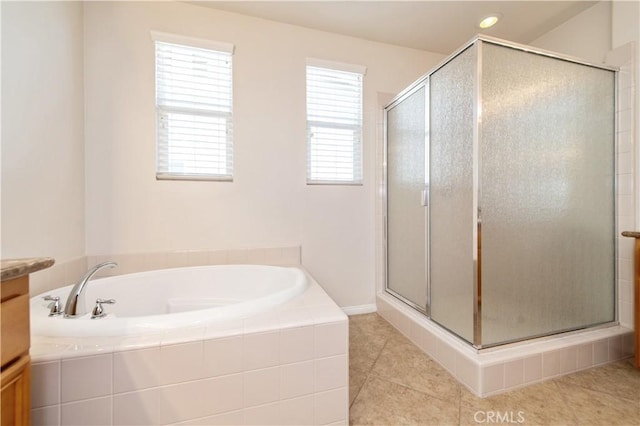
[392,382]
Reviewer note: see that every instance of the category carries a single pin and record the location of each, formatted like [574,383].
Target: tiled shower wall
[624,57]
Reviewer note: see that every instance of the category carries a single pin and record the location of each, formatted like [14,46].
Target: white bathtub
[205,345]
[156,301]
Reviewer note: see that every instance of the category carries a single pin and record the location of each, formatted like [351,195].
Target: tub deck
[285,366]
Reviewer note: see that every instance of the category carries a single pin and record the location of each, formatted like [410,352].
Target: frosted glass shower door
[546,195]
[406,214]
[500,189]
[451,213]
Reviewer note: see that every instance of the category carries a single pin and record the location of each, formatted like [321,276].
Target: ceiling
[435,26]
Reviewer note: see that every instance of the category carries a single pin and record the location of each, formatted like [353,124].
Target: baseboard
[360,309]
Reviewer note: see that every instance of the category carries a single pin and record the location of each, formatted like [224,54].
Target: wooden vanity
[636,299]
[15,339]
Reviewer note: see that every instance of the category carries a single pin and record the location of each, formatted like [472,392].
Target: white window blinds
[194,112]
[334,125]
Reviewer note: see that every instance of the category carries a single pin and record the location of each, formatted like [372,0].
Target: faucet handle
[55,306]
[98,311]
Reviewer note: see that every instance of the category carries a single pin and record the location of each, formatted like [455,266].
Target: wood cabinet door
[16,393]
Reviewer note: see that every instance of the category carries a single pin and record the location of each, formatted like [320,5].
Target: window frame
[162,112]
[357,128]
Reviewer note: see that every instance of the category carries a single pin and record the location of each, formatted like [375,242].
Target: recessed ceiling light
[489,20]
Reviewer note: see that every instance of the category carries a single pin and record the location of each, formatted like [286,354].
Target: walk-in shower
[500,194]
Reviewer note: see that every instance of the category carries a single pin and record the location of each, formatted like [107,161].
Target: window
[194,108]
[334,123]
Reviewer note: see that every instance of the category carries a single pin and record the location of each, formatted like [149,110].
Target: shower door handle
[425,197]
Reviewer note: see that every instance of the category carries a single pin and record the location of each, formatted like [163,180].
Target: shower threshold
[498,369]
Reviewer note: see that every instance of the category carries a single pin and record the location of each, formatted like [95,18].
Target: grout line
[564,398]
[428,358]
[369,372]
[459,405]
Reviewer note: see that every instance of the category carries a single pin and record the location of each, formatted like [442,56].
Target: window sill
[172,176]
[333,183]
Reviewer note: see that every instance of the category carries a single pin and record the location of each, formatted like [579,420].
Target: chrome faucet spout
[75,306]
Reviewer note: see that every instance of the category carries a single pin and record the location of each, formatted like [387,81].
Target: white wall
[268,203]
[586,36]
[42,130]
[625,21]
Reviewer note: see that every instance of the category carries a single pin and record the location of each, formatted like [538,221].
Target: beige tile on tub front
[85,377]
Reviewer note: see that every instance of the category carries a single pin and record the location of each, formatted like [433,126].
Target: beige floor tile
[358,374]
[598,408]
[373,321]
[541,404]
[470,417]
[370,332]
[362,351]
[403,363]
[381,402]
[619,379]
[391,382]
[399,338]
[368,335]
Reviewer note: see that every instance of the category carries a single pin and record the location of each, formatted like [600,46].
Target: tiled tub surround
[287,366]
[504,368]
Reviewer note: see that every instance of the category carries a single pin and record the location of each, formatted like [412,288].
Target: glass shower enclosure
[500,194]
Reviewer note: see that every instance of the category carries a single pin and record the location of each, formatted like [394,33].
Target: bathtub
[156,301]
[222,344]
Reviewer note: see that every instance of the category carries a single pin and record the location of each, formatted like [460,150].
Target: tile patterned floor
[392,382]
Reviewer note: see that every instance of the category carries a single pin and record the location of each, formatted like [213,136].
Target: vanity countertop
[14,268]
[631,234]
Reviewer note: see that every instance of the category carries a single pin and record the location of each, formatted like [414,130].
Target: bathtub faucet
[75,306]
